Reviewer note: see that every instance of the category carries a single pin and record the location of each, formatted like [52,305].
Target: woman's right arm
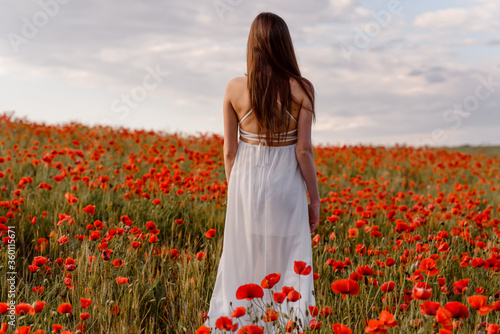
[305,158]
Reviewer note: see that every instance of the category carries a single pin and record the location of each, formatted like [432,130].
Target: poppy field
[111,230]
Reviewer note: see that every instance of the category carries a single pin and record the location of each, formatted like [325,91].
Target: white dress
[266,231]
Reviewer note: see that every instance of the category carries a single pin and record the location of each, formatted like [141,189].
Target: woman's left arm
[230,130]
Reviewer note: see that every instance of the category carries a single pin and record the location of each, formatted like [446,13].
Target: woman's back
[242,107]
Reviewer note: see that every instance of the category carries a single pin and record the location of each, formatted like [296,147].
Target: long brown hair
[271,62]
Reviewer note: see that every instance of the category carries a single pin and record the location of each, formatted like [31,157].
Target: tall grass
[168,292]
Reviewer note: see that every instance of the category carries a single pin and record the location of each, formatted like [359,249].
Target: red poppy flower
[480,290]
[341,329]
[203,330]
[493,329]
[457,310]
[251,329]
[271,315]
[375,326]
[153,239]
[150,225]
[23,308]
[491,263]
[313,310]
[417,276]
[301,268]
[401,227]
[478,303]
[445,331]
[429,308]
[390,262]
[373,281]
[332,219]
[249,291]
[39,261]
[279,297]
[38,307]
[443,247]
[326,311]
[270,280]
[461,286]
[71,198]
[90,209]
[85,303]
[356,276]
[441,281]
[62,240]
[345,287]
[210,233]
[224,323]
[388,286]
[315,324]
[64,308]
[122,280]
[365,270]
[57,328]
[293,296]
[239,312]
[353,232]
[421,290]
[22,330]
[387,318]
[115,310]
[118,263]
[38,289]
[429,267]
[4,308]
[315,240]
[443,317]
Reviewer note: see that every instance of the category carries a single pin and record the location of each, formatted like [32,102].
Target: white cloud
[453,17]
[396,89]
[481,17]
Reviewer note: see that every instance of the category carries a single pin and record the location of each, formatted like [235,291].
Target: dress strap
[248,113]
[288,113]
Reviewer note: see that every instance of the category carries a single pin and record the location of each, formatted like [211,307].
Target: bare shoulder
[237,83]
[235,88]
[298,92]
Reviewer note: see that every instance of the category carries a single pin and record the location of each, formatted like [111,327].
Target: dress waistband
[263,151]
[257,137]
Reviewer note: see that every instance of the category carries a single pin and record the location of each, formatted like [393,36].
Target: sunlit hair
[271,62]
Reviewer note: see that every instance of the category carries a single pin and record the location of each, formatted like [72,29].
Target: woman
[268,221]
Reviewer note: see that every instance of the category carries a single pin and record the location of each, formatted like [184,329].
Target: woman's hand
[313,209]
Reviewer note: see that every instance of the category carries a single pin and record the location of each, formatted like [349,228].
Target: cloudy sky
[411,72]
